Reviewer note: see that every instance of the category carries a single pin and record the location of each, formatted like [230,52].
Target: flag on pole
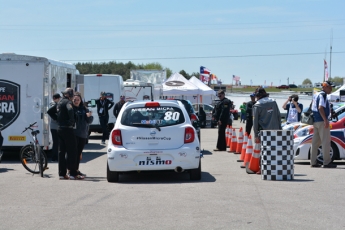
[326,70]
[204,70]
[236,78]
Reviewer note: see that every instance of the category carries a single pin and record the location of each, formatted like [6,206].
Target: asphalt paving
[225,198]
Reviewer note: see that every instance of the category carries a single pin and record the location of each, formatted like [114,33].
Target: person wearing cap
[266,114]
[52,112]
[321,111]
[249,114]
[294,109]
[118,106]
[67,139]
[103,105]
[221,116]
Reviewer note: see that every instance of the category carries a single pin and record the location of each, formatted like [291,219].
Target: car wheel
[334,152]
[195,174]
[112,176]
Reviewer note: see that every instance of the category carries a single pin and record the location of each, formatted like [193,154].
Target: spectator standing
[321,111]
[83,119]
[118,106]
[221,116]
[202,117]
[103,105]
[249,113]
[52,112]
[243,109]
[294,109]
[67,141]
[266,114]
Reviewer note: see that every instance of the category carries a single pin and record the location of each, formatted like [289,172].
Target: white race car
[302,146]
[153,135]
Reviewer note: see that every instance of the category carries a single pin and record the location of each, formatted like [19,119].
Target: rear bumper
[123,160]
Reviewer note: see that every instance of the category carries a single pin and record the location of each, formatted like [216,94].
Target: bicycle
[32,154]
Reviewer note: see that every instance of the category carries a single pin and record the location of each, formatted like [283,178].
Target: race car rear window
[153,116]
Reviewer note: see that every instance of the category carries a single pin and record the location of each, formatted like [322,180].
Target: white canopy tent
[205,90]
[335,95]
[178,85]
[207,94]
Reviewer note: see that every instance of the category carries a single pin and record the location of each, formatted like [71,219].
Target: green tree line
[124,69]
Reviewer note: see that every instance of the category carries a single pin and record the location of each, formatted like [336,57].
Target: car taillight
[116,137]
[189,135]
[193,117]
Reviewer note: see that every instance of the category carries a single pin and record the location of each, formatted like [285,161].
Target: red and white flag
[326,70]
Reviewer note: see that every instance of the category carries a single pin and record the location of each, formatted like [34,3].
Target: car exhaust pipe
[179,169]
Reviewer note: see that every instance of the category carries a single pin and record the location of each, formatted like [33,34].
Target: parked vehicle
[91,85]
[293,86]
[192,115]
[282,87]
[27,85]
[152,136]
[208,110]
[302,146]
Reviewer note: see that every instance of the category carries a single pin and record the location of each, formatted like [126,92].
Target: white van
[91,86]
[27,84]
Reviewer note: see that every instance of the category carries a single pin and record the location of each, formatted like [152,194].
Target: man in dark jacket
[118,106]
[67,141]
[52,112]
[103,105]
[221,116]
[266,114]
[249,113]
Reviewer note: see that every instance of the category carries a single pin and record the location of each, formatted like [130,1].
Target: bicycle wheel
[28,159]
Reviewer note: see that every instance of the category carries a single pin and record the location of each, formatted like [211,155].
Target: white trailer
[91,86]
[136,90]
[27,84]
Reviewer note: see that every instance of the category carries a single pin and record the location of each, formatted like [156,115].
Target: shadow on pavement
[89,156]
[162,177]
[206,152]
[3,170]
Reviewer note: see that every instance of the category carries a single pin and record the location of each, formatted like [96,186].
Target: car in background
[293,126]
[153,136]
[302,146]
[208,110]
[192,115]
[293,86]
[282,87]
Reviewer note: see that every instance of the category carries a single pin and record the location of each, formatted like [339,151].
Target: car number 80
[172,116]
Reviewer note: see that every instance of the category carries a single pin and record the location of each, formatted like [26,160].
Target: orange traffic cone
[254,164]
[239,142]
[249,151]
[227,136]
[244,146]
[233,142]
[228,142]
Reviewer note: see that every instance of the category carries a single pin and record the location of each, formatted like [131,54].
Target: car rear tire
[195,174]
[112,176]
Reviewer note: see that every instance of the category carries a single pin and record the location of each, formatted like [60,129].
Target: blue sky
[266,40]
